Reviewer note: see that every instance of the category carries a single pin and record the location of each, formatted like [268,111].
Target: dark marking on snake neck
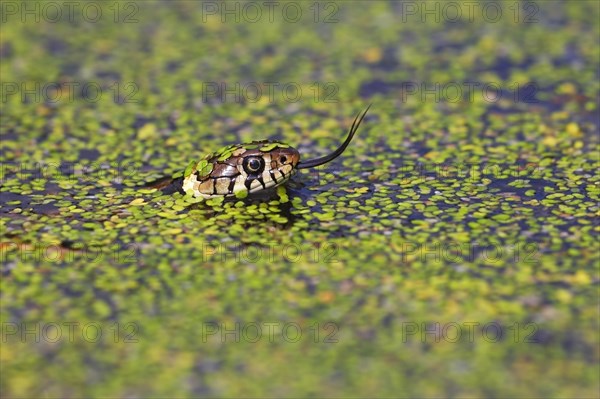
[231,185]
[248,183]
[261,181]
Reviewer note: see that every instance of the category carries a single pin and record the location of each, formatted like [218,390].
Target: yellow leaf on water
[372,55]
[147,131]
[573,129]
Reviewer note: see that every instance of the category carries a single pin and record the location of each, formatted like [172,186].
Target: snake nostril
[283,159]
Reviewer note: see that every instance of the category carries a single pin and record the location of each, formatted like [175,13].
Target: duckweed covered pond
[451,251]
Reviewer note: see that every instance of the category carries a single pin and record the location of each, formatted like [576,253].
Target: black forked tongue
[320,161]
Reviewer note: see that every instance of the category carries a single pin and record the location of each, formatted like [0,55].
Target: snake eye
[282,159]
[254,165]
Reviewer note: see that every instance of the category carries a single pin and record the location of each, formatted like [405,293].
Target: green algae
[204,168]
[192,166]
[472,211]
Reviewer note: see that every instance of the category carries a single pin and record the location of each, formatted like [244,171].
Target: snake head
[239,168]
[248,168]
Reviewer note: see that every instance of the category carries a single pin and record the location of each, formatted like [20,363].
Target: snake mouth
[283,157]
[270,178]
